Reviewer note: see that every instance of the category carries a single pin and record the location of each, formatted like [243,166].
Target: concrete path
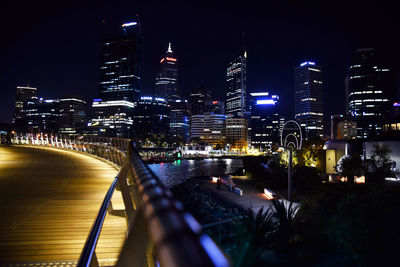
[49,199]
[251,198]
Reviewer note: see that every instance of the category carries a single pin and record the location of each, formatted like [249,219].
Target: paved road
[48,201]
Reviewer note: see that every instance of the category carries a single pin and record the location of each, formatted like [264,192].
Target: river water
[173,173]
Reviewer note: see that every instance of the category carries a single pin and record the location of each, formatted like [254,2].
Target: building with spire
[166,83]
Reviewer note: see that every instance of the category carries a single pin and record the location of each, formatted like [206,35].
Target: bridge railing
[159,231]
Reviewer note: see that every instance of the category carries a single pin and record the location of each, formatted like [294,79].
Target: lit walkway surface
[49,199]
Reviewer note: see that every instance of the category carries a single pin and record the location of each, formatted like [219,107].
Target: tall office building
[369,89]
[179,121]
[309,104]
[73,115]
[24,93]
[200,97]
[121,62]
[167,79]
[120,79]
[236,86]
[151,119]
[265,119]
[42,115]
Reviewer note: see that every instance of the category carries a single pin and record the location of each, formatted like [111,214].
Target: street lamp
[290,141]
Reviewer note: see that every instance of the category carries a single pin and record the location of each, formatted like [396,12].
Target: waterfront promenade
[48,201]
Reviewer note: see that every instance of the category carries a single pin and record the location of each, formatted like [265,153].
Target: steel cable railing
[159,231]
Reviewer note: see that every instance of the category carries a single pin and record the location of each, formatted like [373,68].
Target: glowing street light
[290,141]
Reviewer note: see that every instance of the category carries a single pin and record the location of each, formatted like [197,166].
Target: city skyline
[268,68]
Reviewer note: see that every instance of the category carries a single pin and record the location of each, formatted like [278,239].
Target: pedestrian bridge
[91,202]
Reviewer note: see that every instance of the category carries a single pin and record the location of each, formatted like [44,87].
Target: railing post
[136,244]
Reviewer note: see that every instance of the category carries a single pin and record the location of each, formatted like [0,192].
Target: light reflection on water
[173,173]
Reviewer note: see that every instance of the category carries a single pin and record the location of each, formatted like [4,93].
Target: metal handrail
[91,242]
[177,235]
[165,232]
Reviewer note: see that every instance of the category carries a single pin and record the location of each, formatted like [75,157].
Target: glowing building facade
[237,133]
[309,94]
[113,117]
[208,129]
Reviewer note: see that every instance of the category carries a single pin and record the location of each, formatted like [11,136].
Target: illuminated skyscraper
[24,93]
[309,104]
[121,62]
[167,79]
[73,115]
[179,121]
[369,89]
[236,86]
[265,119]
[120,79]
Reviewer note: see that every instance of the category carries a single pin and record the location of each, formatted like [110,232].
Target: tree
[285,215]
[349,167]
[252,237]
[378,167]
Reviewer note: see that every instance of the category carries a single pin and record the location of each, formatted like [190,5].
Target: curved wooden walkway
[48,201]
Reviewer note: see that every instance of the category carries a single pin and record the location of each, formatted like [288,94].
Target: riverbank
[193,192]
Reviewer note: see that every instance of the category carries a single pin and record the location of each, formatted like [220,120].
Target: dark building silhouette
[215,106]
[236,86]
[166,84]
[265,119]
[151,119]
[369,88]
[309,103]
[199,98]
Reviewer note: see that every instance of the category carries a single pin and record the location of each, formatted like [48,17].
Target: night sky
[55,46]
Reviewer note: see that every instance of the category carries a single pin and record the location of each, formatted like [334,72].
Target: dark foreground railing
[158,229]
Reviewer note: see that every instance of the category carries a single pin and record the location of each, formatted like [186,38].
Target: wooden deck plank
[48,201]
